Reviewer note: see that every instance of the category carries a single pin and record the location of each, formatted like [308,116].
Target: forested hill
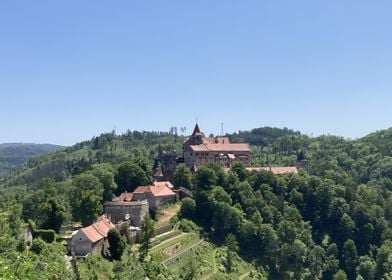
[105,148]
[332,222]
[262,136]
[114,149]
[362,160]
[14,155]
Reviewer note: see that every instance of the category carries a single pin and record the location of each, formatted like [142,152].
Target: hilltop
[14,155]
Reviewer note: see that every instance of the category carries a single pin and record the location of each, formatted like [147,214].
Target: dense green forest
[14,155]
[332,222]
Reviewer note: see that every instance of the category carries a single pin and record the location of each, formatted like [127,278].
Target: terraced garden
[186,251]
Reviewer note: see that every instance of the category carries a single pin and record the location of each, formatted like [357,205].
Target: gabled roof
[163,188]
[166,184]
[125,196]
[214,144]
[98,230]
[216,140]
[238,147]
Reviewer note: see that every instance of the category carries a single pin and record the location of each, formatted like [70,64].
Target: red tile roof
[98,230]
[163,188]
[240,147]
[142,189]
[164,183]
[125,196]
[216,140]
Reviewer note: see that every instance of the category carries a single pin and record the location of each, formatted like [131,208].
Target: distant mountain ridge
[13,156]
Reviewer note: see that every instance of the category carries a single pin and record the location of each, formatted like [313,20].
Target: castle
[199,150]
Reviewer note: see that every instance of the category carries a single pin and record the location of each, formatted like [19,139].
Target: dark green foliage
[116,244]
[240,171]
[205,178]
[340,275]
[131,175]
[37,246]
[188,226]
[131,269]
[232,248]
[125,232]
[90,208]
[262,136]
[190,270]
[86,197]
[384,259]
[55,215]
[332,222]
[301,223]
[47,235]
[188,208]
[367,267]
[182,177]
[105,174]
[147,232]
[350,258]
[14,155]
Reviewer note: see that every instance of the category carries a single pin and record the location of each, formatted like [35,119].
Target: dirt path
[167,214]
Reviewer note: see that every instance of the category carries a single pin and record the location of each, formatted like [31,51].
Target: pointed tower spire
[196,130]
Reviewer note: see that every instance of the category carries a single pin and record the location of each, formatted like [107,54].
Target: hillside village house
[123,208]
[158,194]
[132,207]
[91,239]
[199,150]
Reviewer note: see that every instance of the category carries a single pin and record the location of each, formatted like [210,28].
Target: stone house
[123,208]
[158,194]
[199,150]
[91,239]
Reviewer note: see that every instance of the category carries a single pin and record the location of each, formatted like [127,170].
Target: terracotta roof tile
[221,147]
[125,196]
[98,230]
[141,189]
[164,183]
[163,188]
[91,234]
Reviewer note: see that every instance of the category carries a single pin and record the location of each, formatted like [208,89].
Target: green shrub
[38,245]
[48,235]
[188,226]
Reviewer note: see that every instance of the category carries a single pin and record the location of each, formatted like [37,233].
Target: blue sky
[70,70]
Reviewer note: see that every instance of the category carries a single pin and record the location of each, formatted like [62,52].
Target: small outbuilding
[91,239]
